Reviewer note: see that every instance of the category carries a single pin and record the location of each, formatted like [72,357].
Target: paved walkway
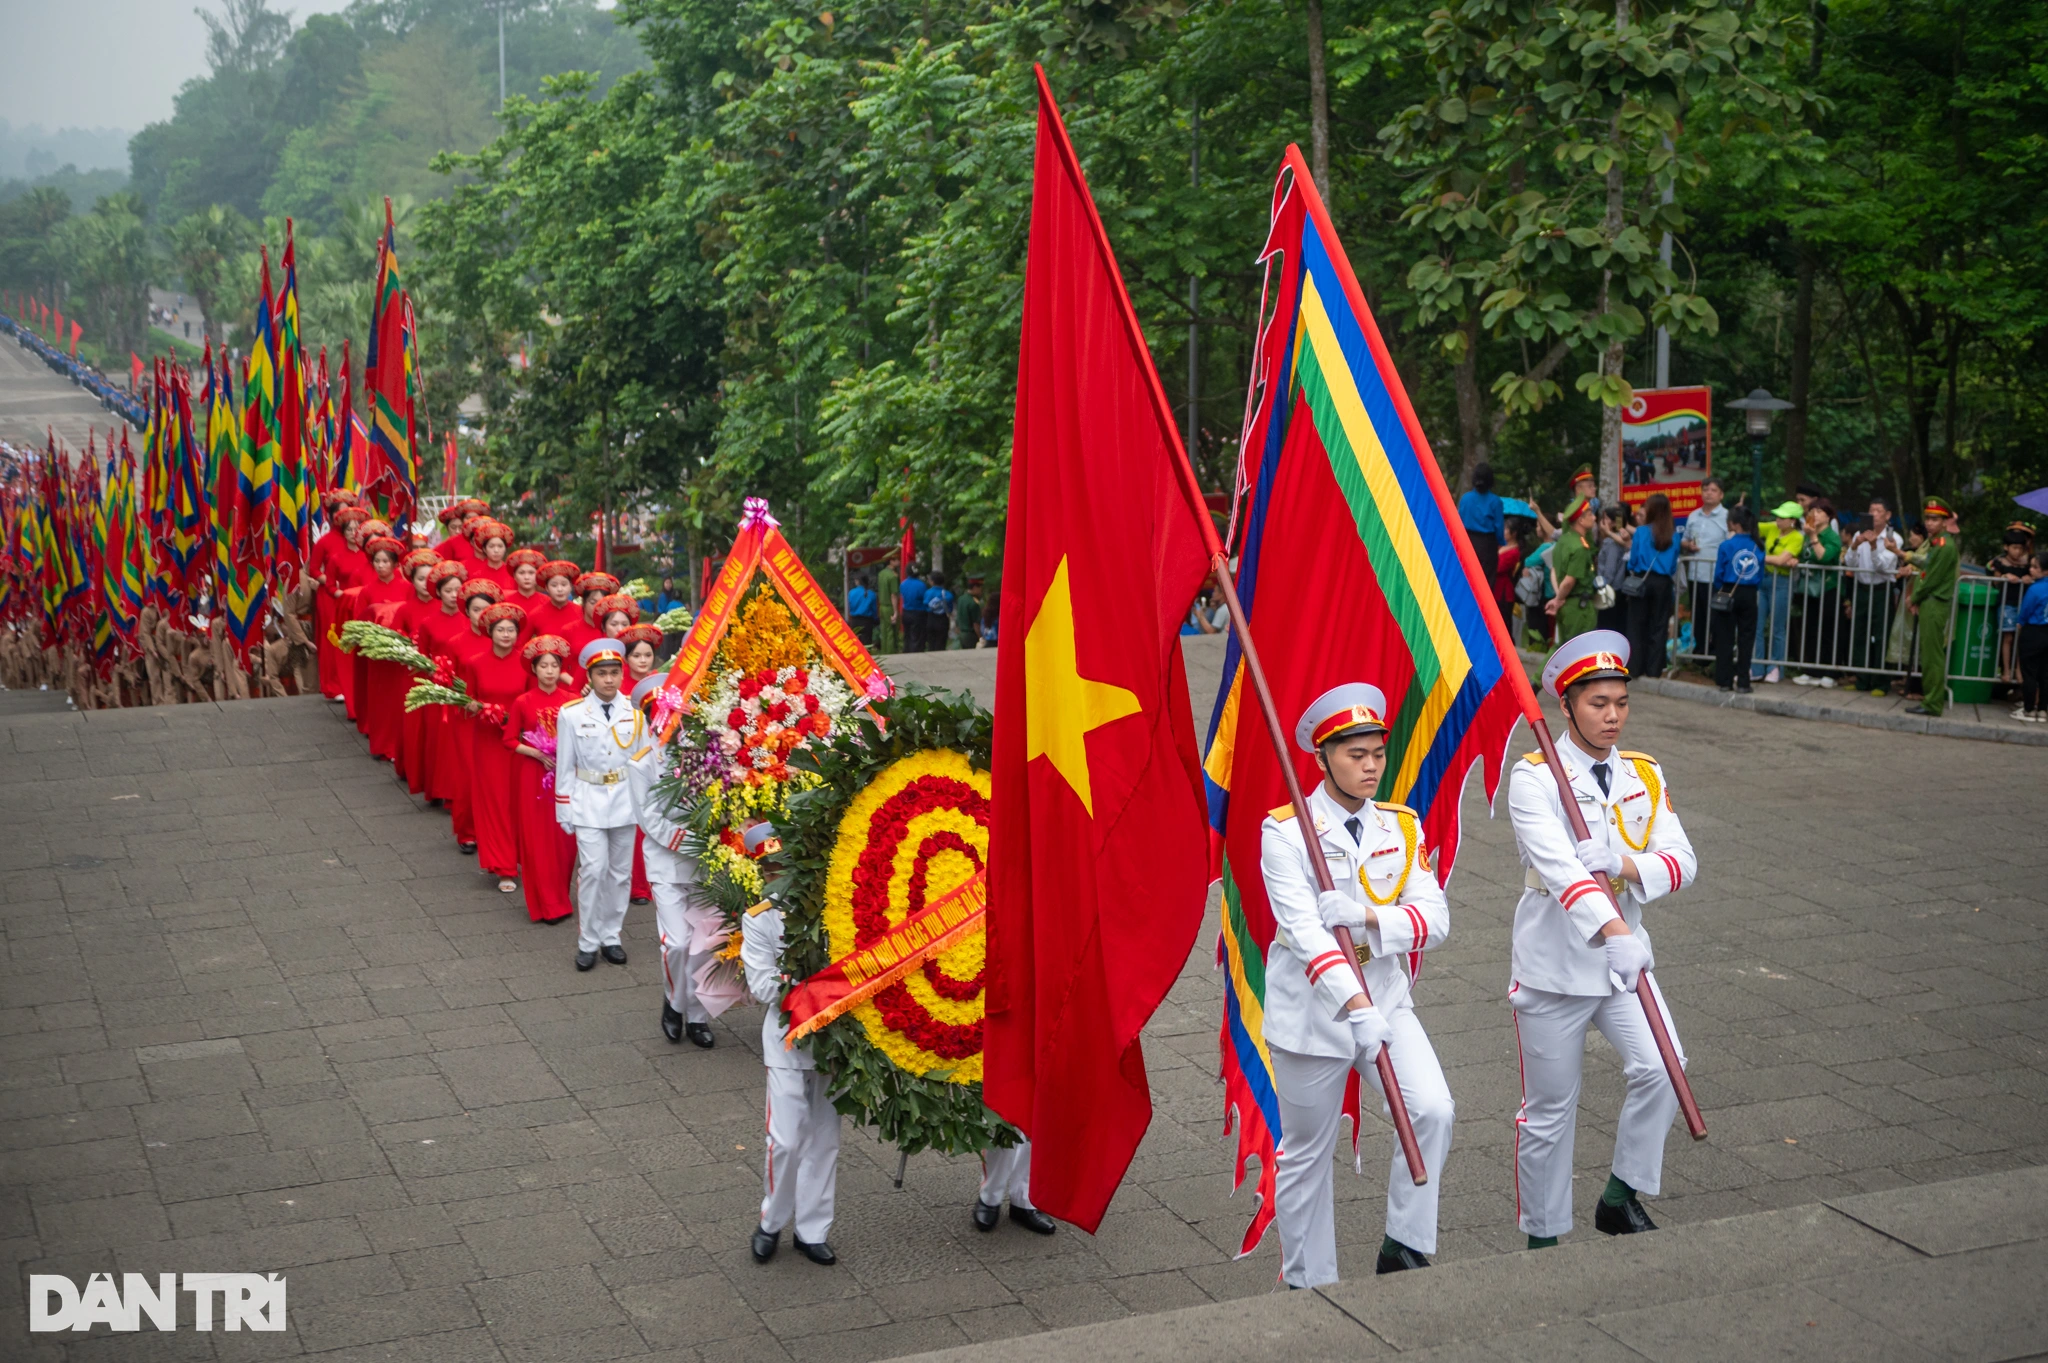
[33,401]
[256,1014]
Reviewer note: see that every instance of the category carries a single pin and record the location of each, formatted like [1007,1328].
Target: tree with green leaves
[1552,147]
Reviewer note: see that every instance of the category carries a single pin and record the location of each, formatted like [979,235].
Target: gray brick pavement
[256,1014]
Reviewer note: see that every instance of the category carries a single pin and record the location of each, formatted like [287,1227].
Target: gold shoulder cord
[631,738]
[1408,826]
[1647,770]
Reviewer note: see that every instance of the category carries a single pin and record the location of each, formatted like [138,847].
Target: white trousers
[678,966]
[1311,1093]
[604,873]
[800,1176]
[1007,1173]
[1550,1031]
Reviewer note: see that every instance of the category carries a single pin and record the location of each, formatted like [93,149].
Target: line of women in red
[510,622]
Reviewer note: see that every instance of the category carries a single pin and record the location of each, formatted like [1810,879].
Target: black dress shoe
[639,899]
[700,1035]
[1398,1262]
[1627,1219]
[671,1022]
[820,1253]
[468,849]
[765,1244]
[985,1216]
[585,959]
[614,953]
[1033,1220]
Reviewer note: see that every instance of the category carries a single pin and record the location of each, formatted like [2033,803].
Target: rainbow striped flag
[1350,543]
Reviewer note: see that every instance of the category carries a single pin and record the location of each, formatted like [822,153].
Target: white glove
[1369,1032]
[1340,910]
[1628,956]
[1599,858]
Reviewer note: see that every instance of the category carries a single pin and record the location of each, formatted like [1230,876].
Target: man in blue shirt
[862,610]
[1483,517]
[914,614]
[2031,648]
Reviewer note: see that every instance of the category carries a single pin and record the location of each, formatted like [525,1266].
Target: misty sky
[105,63]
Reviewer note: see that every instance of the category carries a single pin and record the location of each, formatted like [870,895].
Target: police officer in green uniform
[1571,572]
[1933,598]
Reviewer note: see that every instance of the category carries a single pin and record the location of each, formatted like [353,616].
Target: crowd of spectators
[1799,593]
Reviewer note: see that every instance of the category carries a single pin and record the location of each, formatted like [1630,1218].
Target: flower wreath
[898,815]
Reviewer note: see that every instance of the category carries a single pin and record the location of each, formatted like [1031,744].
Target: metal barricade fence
[1828,621]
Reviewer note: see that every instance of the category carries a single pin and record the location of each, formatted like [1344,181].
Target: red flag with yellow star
[1097,851]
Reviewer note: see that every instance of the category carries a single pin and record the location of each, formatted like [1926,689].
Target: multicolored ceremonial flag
[295,493]
[1351,544]
[390,381]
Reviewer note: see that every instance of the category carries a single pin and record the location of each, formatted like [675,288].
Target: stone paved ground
[256,1014]
[33,400]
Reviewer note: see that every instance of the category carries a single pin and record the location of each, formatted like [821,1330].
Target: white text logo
[247,1301]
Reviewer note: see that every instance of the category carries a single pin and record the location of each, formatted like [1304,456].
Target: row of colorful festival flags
[222,502]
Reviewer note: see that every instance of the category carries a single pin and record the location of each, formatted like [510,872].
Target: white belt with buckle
[1533,879]
[601,778]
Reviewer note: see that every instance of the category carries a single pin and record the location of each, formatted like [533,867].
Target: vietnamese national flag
[1097,849]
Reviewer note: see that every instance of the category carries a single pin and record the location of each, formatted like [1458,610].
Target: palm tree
[204,247]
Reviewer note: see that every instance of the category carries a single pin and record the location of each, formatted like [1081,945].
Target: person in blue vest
[1738,572]
[912,594]
[863,610]
[938,613]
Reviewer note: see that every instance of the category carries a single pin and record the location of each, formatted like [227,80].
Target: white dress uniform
[671,874]
[595,744]
[800,1175]
[1561,983]
[1308,983]
[1007,1174]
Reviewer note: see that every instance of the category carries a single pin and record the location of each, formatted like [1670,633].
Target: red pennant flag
[76,331]
[448,465]
[1098,840]
[134,372]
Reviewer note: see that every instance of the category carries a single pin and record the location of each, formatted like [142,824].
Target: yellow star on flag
[1060,705]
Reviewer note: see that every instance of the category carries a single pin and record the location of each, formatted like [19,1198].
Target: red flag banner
[1097,873]
[76,332]
[855,978]
[835,638]
[721,603]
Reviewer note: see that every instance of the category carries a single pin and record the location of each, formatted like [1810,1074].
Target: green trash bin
[1973,643]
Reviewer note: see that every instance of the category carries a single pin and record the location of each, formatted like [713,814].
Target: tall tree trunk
[1611,359]
[1472,424]
[1802,369]
[1318,102]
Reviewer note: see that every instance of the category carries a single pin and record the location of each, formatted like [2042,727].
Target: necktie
[1600,774]
[1354,828]
[606,706]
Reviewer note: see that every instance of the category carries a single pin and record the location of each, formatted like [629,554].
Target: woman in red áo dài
[416,754]
[547,855]
[477,596]
[641,641]
[496,677]
[380,702]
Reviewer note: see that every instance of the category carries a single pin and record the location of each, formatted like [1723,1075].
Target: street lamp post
[1758,409]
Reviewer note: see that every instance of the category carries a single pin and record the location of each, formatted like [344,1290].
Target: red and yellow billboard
[1667,446]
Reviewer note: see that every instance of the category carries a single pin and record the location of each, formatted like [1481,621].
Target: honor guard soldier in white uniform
[1318,1025]
[672,876]
[800,1173]
[598,736]
[1007,1174]
[1577,962]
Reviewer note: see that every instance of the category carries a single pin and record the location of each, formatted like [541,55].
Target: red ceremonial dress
[328,565]
[355,574]
[457,546]
[547,855]
[502,574]
[380,709]
[417,742]
[493,680]
[533,604]
[451,637]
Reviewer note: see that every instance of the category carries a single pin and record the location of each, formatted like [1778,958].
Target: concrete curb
[1838,714]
